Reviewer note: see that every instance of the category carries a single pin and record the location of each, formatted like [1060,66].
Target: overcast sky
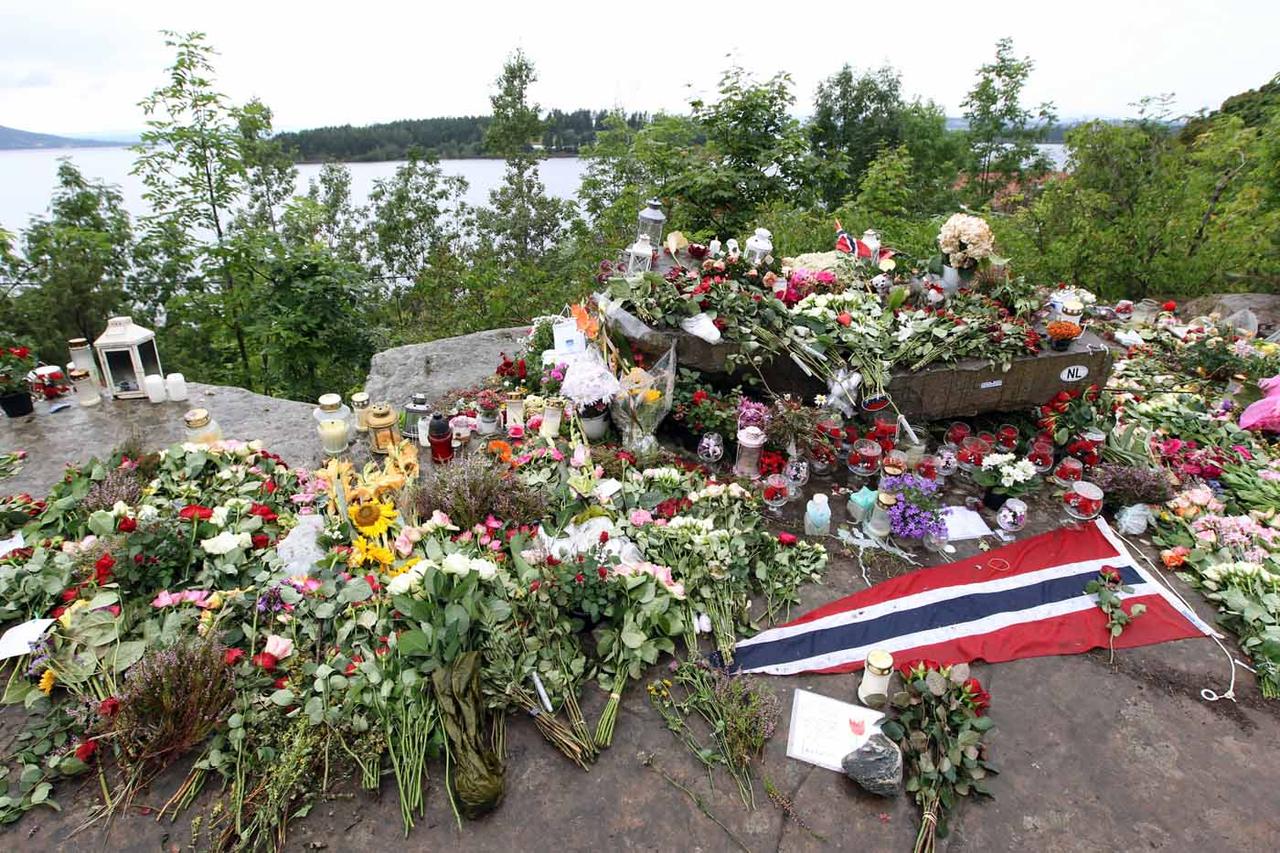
[75,66]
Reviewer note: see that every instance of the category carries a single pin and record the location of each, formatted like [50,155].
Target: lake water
[27,178]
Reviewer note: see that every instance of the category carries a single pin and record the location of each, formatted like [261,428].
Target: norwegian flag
[850,245]
[1024,600]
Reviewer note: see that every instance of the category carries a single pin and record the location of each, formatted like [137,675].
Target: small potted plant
[1062,333]
[16,361]
[595,419]
[1004,476]
[488,405]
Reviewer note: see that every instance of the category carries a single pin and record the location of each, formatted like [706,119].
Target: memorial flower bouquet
[1006,474]
[16,361]
[966,242]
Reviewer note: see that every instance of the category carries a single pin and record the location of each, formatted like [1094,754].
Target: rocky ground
[1093,756]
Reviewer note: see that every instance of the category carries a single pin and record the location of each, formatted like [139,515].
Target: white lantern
[871,238]
[759,246]
[650,222]
[640,256]
[128,354]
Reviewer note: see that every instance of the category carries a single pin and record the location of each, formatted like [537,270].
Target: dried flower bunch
[965,240]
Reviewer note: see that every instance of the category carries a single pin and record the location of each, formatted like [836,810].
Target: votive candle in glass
[1007,437]
[972,451]
[873,691]
[1069,471]
[175,385]
[86,387]
[1083,500]
[154,385]
[1041,456]
[956,434]
[864,459]
[894,463]
[927,467]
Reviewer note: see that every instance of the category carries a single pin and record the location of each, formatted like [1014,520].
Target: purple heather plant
[916,514]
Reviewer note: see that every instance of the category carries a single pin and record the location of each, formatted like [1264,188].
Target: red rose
[1170,306]
[980,698]
[351,667]
[71,593]
[266,660]
[260,540]
[20,352]
[282,682]
[699,397]
[56,613]
[534,586]
[787,539]
[1110,574]
[372,582]
[579,577]
[604,536]
[85,751]
[269,487]
[109,707]
[264,512]
[845,318]
[195,512]
[602,572]
[127,524]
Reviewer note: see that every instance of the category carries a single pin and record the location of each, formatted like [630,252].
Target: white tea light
[175,385]
[154,386]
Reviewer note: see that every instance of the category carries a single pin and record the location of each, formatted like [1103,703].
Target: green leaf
[102,523]
[355,590]
[632,638]
[282,697]
[41,793]
[892,729]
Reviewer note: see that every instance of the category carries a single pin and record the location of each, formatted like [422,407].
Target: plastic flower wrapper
[643,400]
[589,380]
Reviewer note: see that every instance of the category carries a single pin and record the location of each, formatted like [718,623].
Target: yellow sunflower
[363,551]
[372,518]
[47,681]
[408,564]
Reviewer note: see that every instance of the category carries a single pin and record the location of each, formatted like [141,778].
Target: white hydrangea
[226,542]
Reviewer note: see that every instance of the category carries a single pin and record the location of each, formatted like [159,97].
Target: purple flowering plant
[918,510]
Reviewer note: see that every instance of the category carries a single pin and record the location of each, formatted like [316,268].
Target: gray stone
[75,434]
[876,766]
[1265,306]
[437,367]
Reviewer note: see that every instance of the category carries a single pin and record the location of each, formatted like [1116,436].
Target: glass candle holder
[948,464]
[988,437]
[154,385]
[750,443]
[439,438]
[1041,456]
[201,428]
[971,453]
[885,426]
[551,415]
[956,434]
[878,523]
[175,385]
[1007,437]
[894,463]
[775,492]
[333,424]
[864,459]
[927,467]
[1070,470]
[711,448]
[515,408]
[1083,500]
[86,387]
[796,473]
[1012,515]
[360,408]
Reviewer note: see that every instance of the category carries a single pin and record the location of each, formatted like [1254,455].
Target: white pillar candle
[155,388]
[333,436]
[175,384]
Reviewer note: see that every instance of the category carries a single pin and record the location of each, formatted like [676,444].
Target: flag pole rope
[1207,694]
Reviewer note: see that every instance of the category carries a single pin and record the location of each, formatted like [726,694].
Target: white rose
[485,569]
[456,564]
[219,517]
[147,512]
[402,583]
[120,508]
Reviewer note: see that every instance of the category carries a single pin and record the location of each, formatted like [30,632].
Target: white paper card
[18,639]
[13,543]
[568,338]
[825,730]
[965,523]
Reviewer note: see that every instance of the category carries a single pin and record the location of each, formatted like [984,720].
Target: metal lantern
[415,412]
[640,256]
[650,222]
[128,354]
[384,428]
[759,246]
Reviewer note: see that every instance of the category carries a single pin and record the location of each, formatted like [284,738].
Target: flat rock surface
[1092,757]
[1266,306]
[439,366]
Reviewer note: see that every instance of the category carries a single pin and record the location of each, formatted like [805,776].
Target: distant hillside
[445,137]
[12,138]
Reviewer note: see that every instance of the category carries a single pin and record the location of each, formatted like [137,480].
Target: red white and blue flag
[1031,603]
[850,245]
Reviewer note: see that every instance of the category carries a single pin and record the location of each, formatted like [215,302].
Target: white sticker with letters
[991,383]
[1074,373]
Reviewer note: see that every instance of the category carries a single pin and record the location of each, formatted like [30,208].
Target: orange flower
[1061,330]
[1174,557]
[501,449]
[587,324]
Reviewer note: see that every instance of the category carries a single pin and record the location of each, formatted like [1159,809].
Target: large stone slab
[75,434]
[439,366]
[1265,306]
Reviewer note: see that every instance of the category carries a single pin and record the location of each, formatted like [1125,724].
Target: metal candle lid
[330,402]
[359,400]
[196,418]
[879,662]
[381,415]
